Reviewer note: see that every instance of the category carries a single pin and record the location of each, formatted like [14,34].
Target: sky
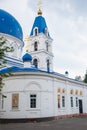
[67,25]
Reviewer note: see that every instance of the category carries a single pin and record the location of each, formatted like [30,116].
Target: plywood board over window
[59,101]
[15,101]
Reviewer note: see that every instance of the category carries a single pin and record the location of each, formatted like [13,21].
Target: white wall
[42,54]
[45,86]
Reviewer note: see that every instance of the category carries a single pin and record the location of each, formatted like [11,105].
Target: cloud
[70,41]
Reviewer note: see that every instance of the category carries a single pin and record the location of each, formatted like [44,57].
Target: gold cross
[27,39]
[39,4]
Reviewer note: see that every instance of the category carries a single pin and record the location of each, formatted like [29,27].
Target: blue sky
[67,24]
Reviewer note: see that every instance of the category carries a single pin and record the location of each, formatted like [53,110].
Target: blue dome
[9,25]
[40,23]
[27,57]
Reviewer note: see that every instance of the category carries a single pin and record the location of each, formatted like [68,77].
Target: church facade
[34,90]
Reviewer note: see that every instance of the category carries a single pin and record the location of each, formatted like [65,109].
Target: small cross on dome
[39,7]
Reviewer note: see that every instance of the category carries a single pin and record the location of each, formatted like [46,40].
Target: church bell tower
[40,44]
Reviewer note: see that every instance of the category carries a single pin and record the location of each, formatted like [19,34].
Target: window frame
[48,65]
[63,101]
[33,101]
[35,63]
[71,101]
[35,46]
[15,101]
[77,102]
[47,46]
[46,31]
[58,101]
[1,102]
[35,31]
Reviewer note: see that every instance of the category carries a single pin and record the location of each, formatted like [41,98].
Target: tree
[85,78]
[78,78]
[4,48]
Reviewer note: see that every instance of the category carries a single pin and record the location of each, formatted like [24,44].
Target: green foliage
[4,48]
[85,78]
[78,78]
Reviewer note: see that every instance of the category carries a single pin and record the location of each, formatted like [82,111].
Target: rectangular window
[1,102]
[58,101]
[33,101]
[15,101]
[76,102]
[47,46]
[2,97]
[35,46]
[63,101]
[36,31]
[71,101]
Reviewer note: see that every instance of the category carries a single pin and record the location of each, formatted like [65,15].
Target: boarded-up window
[58,101]
[81,93]
[15,101]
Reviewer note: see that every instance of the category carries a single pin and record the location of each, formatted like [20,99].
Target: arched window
[63,90]
[81,93]
[35,46]
[71,91]
[36,31]
[76,92]
[35,63]
[48,65]
[59,101]
[59,90]
[71,98]
[47,46]
[46,31]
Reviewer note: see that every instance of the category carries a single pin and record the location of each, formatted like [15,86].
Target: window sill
[2,110]
[62,108]
[33,109]
[15,110]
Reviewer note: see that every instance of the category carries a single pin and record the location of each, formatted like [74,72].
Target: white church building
[35,91]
